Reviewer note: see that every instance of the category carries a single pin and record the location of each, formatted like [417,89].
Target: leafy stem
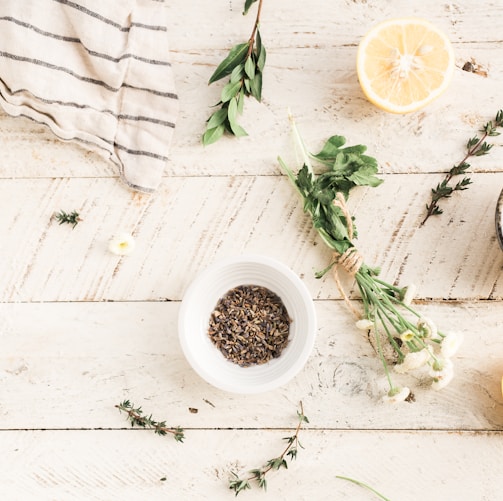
[238,484]
[244,66]
[475,147]
[136,418]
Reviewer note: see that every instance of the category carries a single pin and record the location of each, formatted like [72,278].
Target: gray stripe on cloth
[99,17]
[79,41]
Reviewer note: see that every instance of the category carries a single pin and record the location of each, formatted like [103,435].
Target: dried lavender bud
[250,325]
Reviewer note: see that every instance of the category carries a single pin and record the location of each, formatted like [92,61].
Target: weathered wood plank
[193,221]
[319,23]
[65,365]
[131,464]
[326,99]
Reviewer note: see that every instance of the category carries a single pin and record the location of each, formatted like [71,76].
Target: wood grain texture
[82,329]
[129,464]
[194,221]
[65,365]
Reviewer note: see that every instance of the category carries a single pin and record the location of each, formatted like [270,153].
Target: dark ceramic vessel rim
[499,219]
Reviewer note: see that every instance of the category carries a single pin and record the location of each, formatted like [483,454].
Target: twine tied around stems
[351,260]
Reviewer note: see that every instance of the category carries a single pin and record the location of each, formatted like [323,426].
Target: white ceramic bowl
[200,300]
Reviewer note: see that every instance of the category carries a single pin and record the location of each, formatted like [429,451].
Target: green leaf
[217,118]
[232,110]
[472,142]
[246,82]
[250,68]
[262,483]
[365,177]
[236,129]
[302,417]
[235,57]
[237,73]
[248,4]
[213,135]
[261,53]
[331,148]
[241,101]
[229,91]
[256,87]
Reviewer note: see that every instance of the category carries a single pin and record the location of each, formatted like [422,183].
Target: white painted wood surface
[82,329]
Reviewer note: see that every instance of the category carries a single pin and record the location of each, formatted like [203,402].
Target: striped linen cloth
[94,71]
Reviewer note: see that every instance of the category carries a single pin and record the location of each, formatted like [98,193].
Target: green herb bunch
[238,484]
[475,147]
[401,336]
[245,64]
[136,418]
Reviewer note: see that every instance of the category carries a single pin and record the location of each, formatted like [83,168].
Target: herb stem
[251,40]
[292,442]
[474,147]
[258,474]
[136,417]
[363,484]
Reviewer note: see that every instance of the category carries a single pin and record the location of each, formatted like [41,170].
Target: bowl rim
[498,219]
[308,340]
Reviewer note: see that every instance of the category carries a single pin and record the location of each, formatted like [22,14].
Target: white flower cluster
[422,347]
[438,361]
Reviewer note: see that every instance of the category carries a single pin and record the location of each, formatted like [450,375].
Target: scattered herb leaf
[72,218]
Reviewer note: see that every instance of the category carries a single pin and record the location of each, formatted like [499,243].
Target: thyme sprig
[475,147]
[245,64]
[257,475]
[136,418]
[72,218]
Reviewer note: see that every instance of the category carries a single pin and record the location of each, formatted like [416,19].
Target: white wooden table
[82,329]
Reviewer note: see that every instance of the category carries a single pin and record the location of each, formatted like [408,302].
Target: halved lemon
[404,64]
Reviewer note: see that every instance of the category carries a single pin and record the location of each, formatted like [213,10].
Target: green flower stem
[391,339]
[381,356]
[363,484]
[381,300]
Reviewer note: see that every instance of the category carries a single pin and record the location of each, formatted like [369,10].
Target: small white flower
[407,335]
[441,367]
[410,292]
[413,360]
[396,395]
[364,324]
[441,382]
[427,328]
[122,244]
[450,344]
